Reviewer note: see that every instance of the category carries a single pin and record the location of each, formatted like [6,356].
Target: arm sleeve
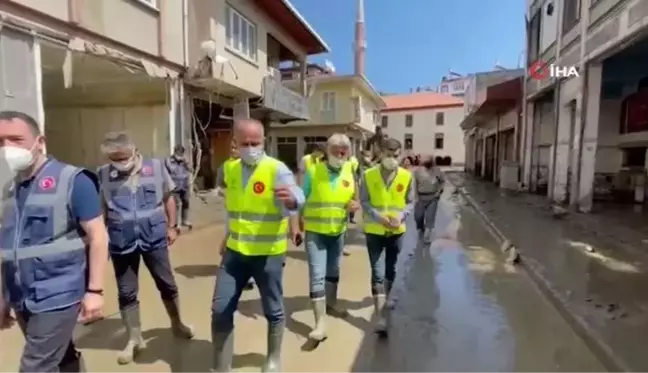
[410,198]
[287,178]
[85,202]
[365,202]
[168,183]
[302,165]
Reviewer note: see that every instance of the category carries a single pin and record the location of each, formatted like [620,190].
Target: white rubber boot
[319,311]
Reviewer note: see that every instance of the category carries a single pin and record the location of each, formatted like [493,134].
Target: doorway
[287,151]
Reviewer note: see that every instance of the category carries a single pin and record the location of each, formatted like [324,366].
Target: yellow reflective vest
[325,210]
[256,225]
[387,201]
[354,163]
[309,160]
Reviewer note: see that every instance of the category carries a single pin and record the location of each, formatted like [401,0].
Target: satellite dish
[329,66]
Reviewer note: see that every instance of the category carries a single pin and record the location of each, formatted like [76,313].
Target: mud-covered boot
[131,319]
[275,339]
[223,350]
[332,306]
[319,310]
[380,323]
[180,329]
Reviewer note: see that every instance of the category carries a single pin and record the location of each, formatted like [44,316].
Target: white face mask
[251,155]
[389,163]
[18,159]
[124,166]
[335,162]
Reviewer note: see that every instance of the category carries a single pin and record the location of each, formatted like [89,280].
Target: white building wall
[424,130]
[548,23]
[75,133]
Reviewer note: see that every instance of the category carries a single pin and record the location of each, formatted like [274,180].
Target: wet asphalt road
[460,307]
[457,307]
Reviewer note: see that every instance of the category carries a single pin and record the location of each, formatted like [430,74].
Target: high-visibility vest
[354,163]
[388,201]
[325,210]
[309,161]
[256,225]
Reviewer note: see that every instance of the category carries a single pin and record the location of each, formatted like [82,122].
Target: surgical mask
[251,155]
[18,159]
[124,166]
[335,162]
[389,163]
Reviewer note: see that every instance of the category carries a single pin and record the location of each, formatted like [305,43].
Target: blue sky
[414,42]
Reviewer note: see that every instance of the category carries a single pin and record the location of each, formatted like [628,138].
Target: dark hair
[391,144]
[31,122]
[319,147]
[179,148]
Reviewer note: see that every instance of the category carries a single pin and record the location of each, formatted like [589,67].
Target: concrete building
[492,105]
[346,103]
[168,72]
[585,137]
[454,84]
[426,123]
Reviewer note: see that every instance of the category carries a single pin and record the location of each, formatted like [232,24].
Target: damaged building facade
[585,137]
[152,68]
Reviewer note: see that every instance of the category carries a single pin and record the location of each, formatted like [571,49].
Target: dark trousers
[383,252]
[48,340]
[127,274]
[425,213]
[182,197]
[235,271]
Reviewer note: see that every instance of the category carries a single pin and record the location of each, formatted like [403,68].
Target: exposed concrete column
[527,143]
[564,138]
[174,100]
[303,72]
[482,172]
[590,137]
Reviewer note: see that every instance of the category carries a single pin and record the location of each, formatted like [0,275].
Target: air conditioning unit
[275,73]
[241,109]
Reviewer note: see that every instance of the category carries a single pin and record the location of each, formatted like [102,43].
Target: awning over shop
[499,98]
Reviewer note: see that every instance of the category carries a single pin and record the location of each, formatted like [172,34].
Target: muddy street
[455,308]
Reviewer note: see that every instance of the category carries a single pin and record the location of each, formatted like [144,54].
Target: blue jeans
[324,253]
[383,252]
[235,271]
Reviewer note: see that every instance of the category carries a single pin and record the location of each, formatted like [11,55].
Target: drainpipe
[497,168]
[583,96]
[185,62]
[557,89]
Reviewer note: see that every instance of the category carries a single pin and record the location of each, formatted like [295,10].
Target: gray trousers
[48,340]
[425,213]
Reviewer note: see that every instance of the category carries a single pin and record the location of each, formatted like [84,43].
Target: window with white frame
[328,101]
[241,33]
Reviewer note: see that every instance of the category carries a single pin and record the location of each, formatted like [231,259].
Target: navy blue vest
[135,216]
[179,173]
[43,253]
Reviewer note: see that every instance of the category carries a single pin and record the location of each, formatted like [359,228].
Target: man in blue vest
[141,221]
[54,247]
[180,172]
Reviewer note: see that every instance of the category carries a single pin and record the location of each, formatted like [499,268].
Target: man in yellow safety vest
[261,195]
[313,157]
[387,194]
[330,191]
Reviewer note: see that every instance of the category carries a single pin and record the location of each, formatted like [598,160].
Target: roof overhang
[294,24]
[499,98]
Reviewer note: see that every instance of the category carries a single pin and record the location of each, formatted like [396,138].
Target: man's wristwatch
[95,291]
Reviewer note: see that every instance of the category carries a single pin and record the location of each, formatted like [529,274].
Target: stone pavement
[594,267]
